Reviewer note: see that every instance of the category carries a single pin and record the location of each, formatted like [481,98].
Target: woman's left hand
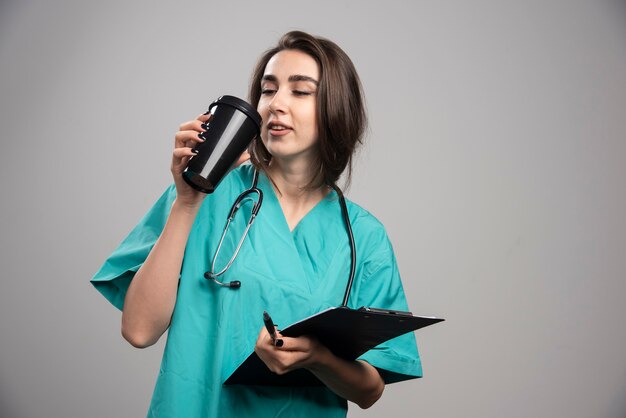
[356,381]
[291,354]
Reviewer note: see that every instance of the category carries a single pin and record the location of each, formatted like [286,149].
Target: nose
[279,102]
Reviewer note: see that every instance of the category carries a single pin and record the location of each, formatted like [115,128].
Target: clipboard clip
[384,311]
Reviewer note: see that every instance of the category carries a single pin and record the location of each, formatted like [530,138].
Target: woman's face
[288,105]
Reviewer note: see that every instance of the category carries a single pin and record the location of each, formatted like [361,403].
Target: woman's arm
[356,381]
[151,295]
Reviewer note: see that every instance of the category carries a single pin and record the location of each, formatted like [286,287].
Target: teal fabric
[291,274]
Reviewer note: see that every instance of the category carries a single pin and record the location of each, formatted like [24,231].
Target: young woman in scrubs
[294,262]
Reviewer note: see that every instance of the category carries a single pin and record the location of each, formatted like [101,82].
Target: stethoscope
[246,196]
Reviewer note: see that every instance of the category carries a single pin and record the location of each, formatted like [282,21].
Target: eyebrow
[291,79]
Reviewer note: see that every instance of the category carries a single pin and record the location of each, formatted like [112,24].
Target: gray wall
[496,159]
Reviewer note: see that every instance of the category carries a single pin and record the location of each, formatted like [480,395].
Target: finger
[264,337]
[187,138]
[278,337]
[193,125]
[294,344]
[205,117]
[178,166]
[183,152]
[285,361]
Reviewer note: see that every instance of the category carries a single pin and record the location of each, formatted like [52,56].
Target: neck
[295,198]
[292,179]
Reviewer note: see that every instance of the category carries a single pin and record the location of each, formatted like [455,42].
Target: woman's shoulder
[368,227]
[362,218]
[233,184]
[238,177]
[234,180]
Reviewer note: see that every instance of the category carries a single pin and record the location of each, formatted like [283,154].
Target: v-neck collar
[265,184]
[308,235]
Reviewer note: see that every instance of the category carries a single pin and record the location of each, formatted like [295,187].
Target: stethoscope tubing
[255,210]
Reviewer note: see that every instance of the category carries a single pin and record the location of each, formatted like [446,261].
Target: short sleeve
[381,287]
[113,278]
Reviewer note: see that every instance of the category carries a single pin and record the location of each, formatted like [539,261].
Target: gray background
[496,159]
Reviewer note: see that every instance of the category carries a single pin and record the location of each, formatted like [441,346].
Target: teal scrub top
[290,274]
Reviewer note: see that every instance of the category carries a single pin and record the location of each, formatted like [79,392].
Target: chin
[278,151]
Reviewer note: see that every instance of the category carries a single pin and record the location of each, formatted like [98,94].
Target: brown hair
[341,117]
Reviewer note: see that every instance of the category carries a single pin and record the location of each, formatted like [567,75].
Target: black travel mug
[234,124]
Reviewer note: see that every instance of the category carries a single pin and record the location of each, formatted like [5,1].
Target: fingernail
[205,126]
[195,151]
[207,112]
[278,342]
[201,136]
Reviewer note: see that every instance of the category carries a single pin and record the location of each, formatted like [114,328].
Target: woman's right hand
[186,139]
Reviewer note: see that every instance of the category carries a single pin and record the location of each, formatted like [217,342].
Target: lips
[277,128]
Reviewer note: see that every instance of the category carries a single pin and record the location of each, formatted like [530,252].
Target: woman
[294,262]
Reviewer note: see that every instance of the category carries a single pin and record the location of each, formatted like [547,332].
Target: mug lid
[239,104]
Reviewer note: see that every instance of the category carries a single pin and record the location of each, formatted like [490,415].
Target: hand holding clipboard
[348,333]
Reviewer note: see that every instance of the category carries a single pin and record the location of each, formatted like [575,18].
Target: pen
[269,325]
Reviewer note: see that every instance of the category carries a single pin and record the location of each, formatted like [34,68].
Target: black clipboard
[348,333]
